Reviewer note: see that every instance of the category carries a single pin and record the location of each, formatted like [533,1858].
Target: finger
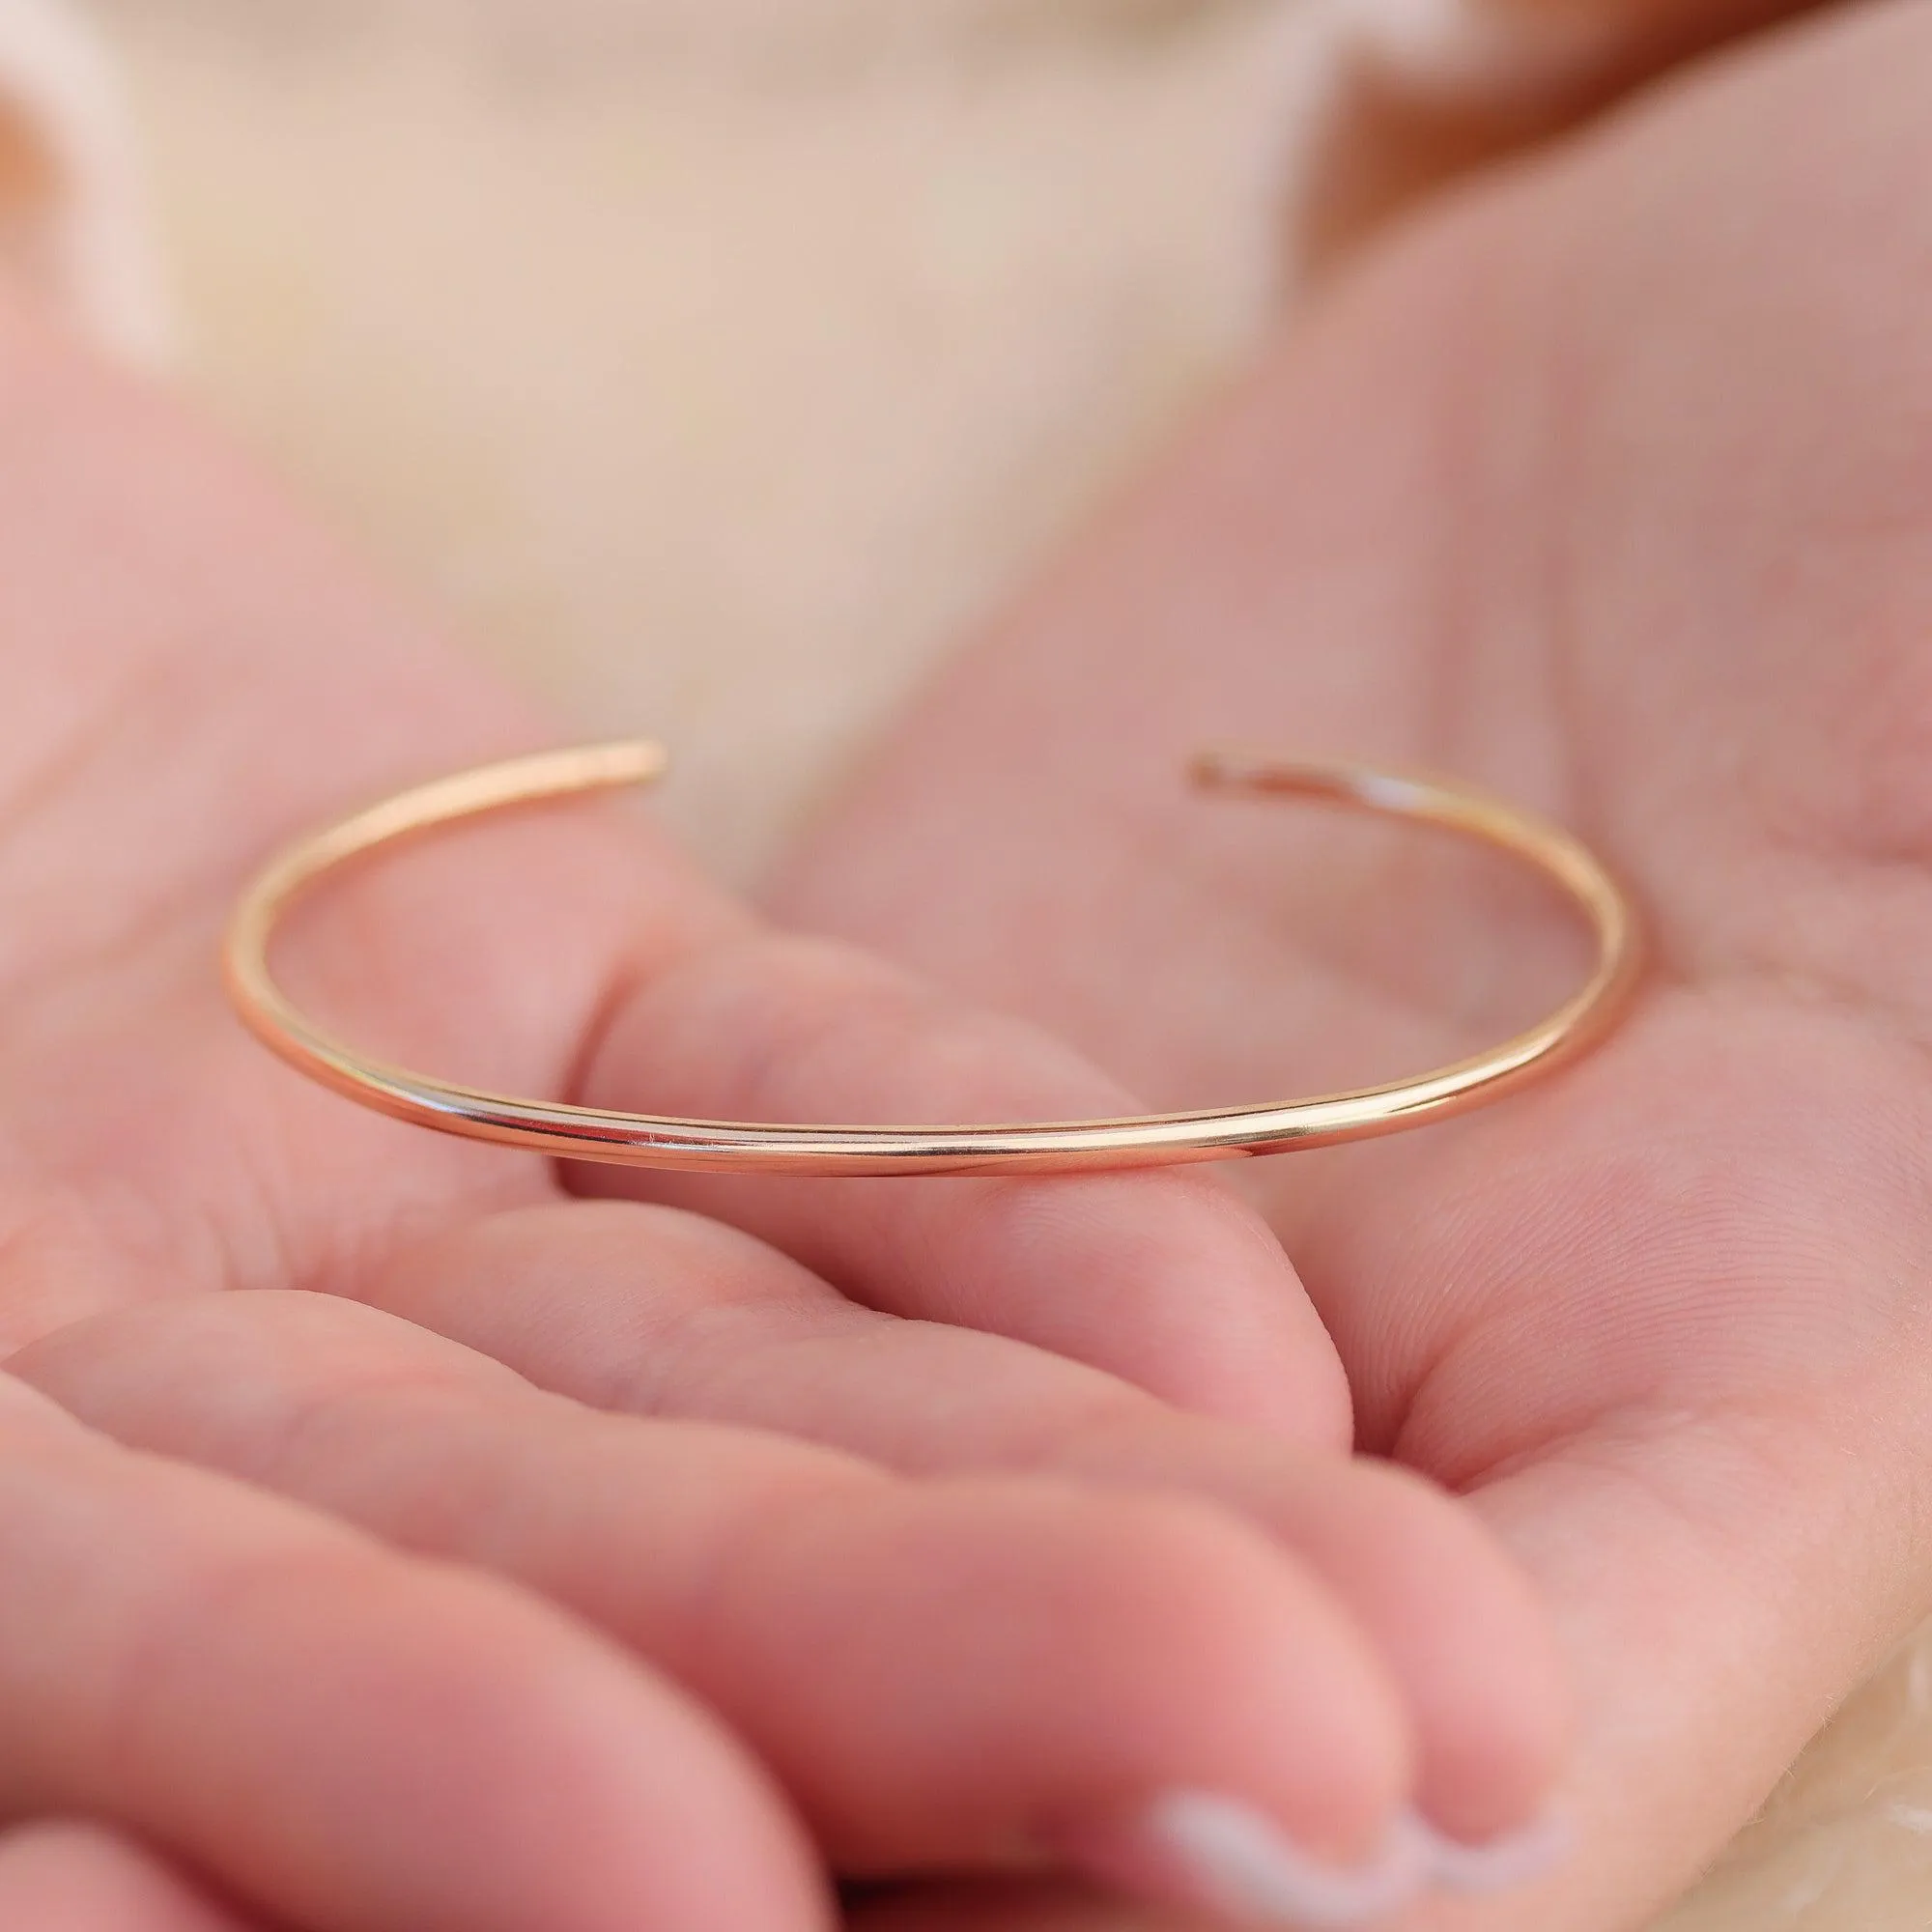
[351,1740]
[1163,1278]
[661,1313]
[942,1674]
[69,1877]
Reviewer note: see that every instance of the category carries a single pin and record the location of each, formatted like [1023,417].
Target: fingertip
[1057,1657]
[1462,1627]
[1202,1852]
[1170,1281]
[1477,1650]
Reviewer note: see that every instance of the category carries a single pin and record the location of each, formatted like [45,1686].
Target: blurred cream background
[711,362]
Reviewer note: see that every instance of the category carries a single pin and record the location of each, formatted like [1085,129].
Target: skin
[395,1540]
[1604,483]
[83,1879]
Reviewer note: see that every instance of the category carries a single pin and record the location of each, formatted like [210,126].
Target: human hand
[1604,484]
[757,1657]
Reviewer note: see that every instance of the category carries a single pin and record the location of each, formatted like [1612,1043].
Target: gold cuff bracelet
[1157,1140]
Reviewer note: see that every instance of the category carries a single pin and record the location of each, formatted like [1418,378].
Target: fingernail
[1500,1865]
[1202,1852]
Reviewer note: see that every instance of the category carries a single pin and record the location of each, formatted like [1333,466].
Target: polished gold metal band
[1157,1139]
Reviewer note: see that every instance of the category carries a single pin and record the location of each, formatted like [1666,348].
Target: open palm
[1609,484]
[372,1555]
